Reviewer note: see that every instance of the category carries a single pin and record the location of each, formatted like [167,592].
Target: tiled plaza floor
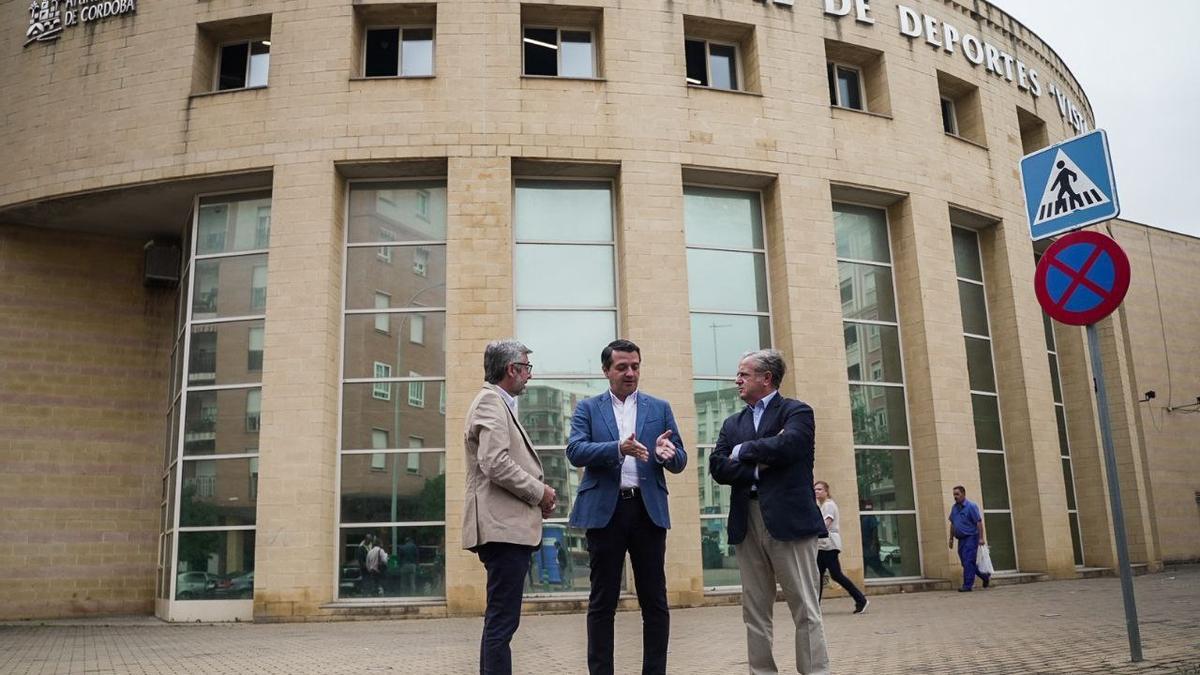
[1053,627]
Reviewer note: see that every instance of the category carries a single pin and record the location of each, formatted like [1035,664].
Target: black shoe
[860,608]
[987,581]
[964,590]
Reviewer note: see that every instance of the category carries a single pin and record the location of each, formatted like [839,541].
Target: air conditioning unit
[162,264]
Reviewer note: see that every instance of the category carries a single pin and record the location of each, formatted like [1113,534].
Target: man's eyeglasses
[525,364]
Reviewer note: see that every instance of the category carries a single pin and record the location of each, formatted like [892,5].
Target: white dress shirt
[509,399]
[757,412]
[626,414]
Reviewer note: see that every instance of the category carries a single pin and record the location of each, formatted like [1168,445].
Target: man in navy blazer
[765,452]
[622,502]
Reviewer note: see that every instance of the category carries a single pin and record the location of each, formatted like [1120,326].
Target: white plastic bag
[983,560]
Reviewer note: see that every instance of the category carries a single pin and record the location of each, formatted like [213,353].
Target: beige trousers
[764,560]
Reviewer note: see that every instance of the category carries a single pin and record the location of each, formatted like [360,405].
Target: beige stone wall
[83,387]
[1161,317]
[316,123]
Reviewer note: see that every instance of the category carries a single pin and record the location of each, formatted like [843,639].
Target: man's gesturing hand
[663,447]
[549,499]
[633,448]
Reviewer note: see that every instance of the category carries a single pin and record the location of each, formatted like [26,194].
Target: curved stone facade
[114,128]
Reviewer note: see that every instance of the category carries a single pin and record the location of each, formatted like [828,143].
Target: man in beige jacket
[506,499]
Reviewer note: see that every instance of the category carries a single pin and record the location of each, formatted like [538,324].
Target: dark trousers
[967,547]
[506,565]
[828,560]
[632,531]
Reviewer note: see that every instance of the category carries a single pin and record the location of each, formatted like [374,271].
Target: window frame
[343,451]
[1003,451]
[881,386]
[739,85]
[220,55]
[384,394]
[832,71]
[703,449]
[401,27]
[591,31]
[949,105]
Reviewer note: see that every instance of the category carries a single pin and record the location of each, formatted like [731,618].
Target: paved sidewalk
[1054,627]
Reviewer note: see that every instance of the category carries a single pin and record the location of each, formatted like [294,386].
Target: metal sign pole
[1114,495]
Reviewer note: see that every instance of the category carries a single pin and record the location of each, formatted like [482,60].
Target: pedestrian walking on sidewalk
[829,547]
[966,525]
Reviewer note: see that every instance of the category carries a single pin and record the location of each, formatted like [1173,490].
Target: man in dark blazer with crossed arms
[622,503]
[765,452]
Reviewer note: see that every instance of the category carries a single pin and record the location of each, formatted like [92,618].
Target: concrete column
[1035,479]
[807,309]
[1131,463]
[941,423]
[1087,458]
[653,283]
[295,548]
[479,309]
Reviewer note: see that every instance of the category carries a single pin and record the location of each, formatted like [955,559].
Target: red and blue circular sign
[1082,278]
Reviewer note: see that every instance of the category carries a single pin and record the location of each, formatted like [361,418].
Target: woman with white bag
[829,547]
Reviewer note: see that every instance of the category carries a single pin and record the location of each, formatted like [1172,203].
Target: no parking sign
[1082,278]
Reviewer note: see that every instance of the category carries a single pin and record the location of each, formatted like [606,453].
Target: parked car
[890,554]
[235,586]
[192,585]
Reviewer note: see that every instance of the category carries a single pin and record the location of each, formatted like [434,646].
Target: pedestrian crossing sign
[1069,185]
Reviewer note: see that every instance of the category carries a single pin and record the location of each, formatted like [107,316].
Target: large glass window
[1064,445]
[393,446]
[211,483]
[985,399]
[559,52]
[398,51]
[878,412]
[730,315]
[243,64]
[566,313]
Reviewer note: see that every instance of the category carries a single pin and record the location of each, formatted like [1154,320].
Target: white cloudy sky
[1137,64]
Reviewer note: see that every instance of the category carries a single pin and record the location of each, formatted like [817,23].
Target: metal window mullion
[726,249]
[872,322]
[391,380]
[218,528]
[563,242]
[560,308]
[731,312]
[889,512]
[231,254]
[396,244]
[883,447]
[867,383]
[990,451]
[399,523]
[231,455]
[393,451]
[872,263]
[416,309]
[227,319]
[978,392]
[225,387]
[336,549]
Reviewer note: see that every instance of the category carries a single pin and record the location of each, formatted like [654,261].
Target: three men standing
[966,525]
[765,452]
[506,497]
[622,503]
